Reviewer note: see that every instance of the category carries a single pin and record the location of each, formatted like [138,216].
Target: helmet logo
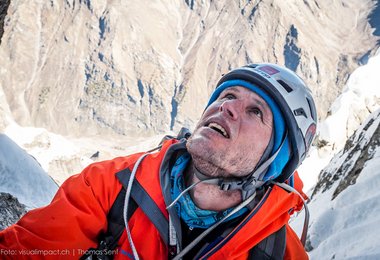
[269,70]
[310,135]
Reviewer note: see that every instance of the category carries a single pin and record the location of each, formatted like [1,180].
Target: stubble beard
[215,163]
[202,158]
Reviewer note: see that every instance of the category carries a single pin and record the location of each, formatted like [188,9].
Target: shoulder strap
[147,204]
[116,222]
[115,228]
[139,198]
[270,248]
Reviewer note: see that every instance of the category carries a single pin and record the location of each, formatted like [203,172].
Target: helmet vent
[311,110]
[285,86]
[252,65]
[300,112]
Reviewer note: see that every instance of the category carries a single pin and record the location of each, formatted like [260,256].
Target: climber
[225,191]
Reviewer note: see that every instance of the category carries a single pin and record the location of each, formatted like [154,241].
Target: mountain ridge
[85,67]
[344,203]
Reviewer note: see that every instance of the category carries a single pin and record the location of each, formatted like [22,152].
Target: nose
[231,108]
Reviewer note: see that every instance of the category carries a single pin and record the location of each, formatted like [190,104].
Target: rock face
[137,68]
[346,166]
[344,205]
[11,210]
[4,109]
[3,12]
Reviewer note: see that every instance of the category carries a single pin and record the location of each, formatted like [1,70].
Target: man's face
[232,134]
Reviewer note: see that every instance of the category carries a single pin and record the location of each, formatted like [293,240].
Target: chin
[200,148]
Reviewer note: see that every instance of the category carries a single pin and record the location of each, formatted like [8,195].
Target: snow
[349,226]
[346,227]
[312,166]
[360,96]
[41,144]
[51,149]
[22,176]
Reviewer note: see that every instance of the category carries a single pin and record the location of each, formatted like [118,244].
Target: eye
[228,96]
[255,111]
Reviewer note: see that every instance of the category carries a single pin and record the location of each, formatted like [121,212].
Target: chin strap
[247,184]
[187,190]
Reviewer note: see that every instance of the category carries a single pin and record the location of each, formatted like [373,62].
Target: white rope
[125,211]
[187,189]
[307,214]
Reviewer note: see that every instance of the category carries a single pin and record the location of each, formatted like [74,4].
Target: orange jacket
[77,215]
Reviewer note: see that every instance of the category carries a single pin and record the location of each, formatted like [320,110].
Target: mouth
[218,128]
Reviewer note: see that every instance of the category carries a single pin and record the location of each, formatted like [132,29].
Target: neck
[210,196]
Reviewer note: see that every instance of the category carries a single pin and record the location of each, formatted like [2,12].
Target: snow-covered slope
[345,206]
[62,156]
[22,176]
[360,97]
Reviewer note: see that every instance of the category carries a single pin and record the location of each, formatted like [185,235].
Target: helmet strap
[247,184]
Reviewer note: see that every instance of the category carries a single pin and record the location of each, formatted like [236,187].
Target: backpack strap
[140,198]
[108,240]
[115,221]
[270,248]
[146,203]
